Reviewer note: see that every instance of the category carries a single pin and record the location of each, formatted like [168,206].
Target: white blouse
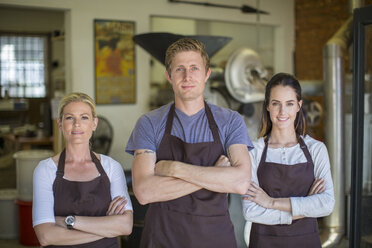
[317,205]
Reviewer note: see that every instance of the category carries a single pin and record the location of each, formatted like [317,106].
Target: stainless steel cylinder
[333,76]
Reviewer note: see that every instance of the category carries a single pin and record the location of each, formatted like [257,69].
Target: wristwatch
[70,221]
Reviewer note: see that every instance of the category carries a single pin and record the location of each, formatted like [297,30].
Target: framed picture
[115,79]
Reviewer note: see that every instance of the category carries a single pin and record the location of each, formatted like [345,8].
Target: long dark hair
[283,79]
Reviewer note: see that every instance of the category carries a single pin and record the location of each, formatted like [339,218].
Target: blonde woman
[80,197]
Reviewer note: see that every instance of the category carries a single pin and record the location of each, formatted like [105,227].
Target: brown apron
[280,180]
[91,198]
[200,219]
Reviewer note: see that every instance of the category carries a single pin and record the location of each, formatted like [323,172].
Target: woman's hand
[117,206]
[259,196]
[222,161]
[317,187]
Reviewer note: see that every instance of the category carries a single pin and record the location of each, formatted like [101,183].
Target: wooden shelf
[61,37]
[27,143]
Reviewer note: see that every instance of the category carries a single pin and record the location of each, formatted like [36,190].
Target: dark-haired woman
[291,178]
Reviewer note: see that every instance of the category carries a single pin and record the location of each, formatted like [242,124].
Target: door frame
[362,18]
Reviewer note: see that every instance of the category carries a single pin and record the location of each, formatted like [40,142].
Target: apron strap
[212,123]
[303,146]
[264,152]
[304,149]
[97,163]
[61,164]
[168,126]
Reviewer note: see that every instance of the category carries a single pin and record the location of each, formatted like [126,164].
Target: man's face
[188,76]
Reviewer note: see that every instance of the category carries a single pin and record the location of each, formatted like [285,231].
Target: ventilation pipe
[333,76]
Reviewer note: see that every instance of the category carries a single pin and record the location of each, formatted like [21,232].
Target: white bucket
[8,214]
[26,161]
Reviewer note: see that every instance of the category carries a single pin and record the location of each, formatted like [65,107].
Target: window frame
[47,59]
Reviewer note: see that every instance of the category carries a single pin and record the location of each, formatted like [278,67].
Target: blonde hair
[77,97]
[185,45]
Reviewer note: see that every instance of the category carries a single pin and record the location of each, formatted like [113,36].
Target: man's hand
[258,195]
[117,206]
[221,178]
[164,168]
[223,161]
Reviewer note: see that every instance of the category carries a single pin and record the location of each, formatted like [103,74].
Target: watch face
[70,220]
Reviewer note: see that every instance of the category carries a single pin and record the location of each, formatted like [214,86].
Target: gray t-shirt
[150,127]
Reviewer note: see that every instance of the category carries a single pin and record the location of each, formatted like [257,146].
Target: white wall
[79,48]
[16,19]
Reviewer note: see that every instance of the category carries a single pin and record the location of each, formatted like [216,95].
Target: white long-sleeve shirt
[317,205]
[45,174]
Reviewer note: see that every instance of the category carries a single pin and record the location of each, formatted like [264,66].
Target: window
[23,65]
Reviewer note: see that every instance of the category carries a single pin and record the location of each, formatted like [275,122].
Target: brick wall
[316,22]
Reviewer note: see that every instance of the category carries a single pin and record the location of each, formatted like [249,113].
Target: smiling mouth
[76,132]
[282,119]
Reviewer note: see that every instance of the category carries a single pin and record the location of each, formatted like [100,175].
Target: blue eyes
[183,69]
[82,118]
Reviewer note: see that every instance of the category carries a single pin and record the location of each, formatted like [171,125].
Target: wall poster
[115,79]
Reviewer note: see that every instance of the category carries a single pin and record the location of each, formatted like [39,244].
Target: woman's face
[77,123]
[283,107]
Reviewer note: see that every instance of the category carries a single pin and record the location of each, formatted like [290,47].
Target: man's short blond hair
[184,45]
